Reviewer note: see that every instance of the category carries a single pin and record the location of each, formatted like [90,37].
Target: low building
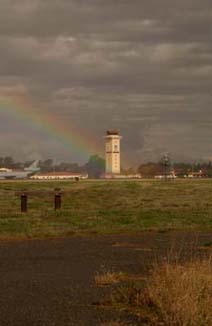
[200,174]
[120,176]
[168,176]
[59,176]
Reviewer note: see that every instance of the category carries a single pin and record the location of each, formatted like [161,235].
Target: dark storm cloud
[144,67]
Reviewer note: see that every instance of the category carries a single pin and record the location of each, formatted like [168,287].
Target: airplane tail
[33,167]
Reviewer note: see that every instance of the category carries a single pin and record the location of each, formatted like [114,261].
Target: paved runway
[51,282]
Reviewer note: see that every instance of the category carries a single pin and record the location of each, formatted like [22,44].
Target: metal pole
[24,203]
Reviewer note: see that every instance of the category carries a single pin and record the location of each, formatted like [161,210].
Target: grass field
[106,207]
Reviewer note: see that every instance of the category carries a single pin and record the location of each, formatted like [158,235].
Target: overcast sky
[141,66]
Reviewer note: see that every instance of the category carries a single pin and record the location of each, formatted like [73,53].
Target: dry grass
[109,278]
[175,295]
[113,324]
[182,294]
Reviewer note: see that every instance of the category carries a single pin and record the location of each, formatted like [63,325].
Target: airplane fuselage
[14,175]
[11,174]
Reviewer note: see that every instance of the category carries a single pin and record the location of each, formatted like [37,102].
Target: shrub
[182,294]
[175,295]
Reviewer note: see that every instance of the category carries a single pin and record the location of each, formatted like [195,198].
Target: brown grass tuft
[109,278]
[174,295]
[111,323]
[182,294]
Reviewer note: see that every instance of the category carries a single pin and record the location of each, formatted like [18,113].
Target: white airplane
[12,174]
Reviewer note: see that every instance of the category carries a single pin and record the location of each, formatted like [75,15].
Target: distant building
[59,176]
[121,176]
[168,176]
[112,152]
[171,175]
[200,174]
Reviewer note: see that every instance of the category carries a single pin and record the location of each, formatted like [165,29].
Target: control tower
[112,151]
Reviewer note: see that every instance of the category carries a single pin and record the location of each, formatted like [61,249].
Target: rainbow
[73,139]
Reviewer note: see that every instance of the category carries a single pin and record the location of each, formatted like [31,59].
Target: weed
[207,244]
[174,295]
[109,278]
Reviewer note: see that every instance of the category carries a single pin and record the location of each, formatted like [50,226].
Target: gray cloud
[144,67]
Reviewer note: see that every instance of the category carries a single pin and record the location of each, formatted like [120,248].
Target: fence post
[57,199]
[24,202]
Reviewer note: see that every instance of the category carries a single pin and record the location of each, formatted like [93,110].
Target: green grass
[106,207]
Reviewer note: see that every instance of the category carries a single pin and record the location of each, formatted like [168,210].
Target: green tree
[8,162]
[150,169]
[47,165]
[68,167]
[95,166]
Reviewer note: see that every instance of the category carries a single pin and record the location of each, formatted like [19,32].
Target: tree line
[95,167]
[180,169]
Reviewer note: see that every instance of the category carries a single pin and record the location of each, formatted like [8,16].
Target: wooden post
[57,199]
[24,194]
[24,202]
